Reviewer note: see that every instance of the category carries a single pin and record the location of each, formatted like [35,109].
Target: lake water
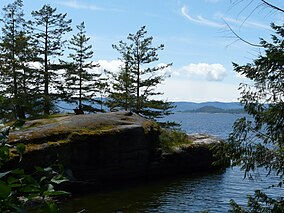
[181,194]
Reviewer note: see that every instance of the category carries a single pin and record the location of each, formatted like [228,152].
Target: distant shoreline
[212,109]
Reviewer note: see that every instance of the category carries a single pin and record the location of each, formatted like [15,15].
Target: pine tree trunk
[80,90]
[138,107]
[46,107]
[19,111]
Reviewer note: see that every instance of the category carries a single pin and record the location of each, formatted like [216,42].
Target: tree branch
[272,6]
[240,38]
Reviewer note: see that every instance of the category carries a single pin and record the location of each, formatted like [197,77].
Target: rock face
[197,157]
[105,148]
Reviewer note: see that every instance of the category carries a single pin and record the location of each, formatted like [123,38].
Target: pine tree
[122,96]
[257,140]
[50,27]
[14,51]
[137,80]
[80,81]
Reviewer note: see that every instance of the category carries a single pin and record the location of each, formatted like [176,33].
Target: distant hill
[212,109]
[187,106]
[180,106]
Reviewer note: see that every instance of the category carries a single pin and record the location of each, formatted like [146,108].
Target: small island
[212,109]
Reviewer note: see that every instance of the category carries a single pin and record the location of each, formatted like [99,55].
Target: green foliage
[19,190]
[25,85]
[258,140]
[32,73]
[80,82]
[14,54]
[134,86]
[259,202]
[172,140]
[49,28]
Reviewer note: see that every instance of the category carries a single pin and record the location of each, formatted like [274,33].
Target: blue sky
[194,33]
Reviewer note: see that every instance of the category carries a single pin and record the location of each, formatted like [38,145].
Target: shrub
[173,140]
[19,190]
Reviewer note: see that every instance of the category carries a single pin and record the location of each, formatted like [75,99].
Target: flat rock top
[89,120]
[203,139]
[45,127]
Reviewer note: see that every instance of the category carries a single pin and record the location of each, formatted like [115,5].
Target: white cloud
[239,22]
[240,76]
[181,86]
[79,5]
[199,19]
[168,71]
[209,72]
[212,72]
[198,91]
[75,4]
[35,65]
[111,66]
[245,23]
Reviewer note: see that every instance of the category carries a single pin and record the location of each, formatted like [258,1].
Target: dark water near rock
[181,194]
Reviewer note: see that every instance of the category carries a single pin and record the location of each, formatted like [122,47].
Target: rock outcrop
[196,157]
[99,149]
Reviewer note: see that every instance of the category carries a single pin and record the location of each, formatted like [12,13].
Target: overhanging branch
[240,38]
[272,6]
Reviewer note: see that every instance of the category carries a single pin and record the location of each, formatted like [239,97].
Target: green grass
[173,140]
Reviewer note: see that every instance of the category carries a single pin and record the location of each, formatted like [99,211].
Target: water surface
[191,193]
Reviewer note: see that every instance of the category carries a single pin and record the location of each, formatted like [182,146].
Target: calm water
[217,124]
[181,194]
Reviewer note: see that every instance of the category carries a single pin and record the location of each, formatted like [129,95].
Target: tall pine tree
[135,84]
[50,27]
[122,96]
[14,55]
[80,81]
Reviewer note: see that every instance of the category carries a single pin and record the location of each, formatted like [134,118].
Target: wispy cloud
[200,19]
[236,22]
[245,23]
[79,5]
